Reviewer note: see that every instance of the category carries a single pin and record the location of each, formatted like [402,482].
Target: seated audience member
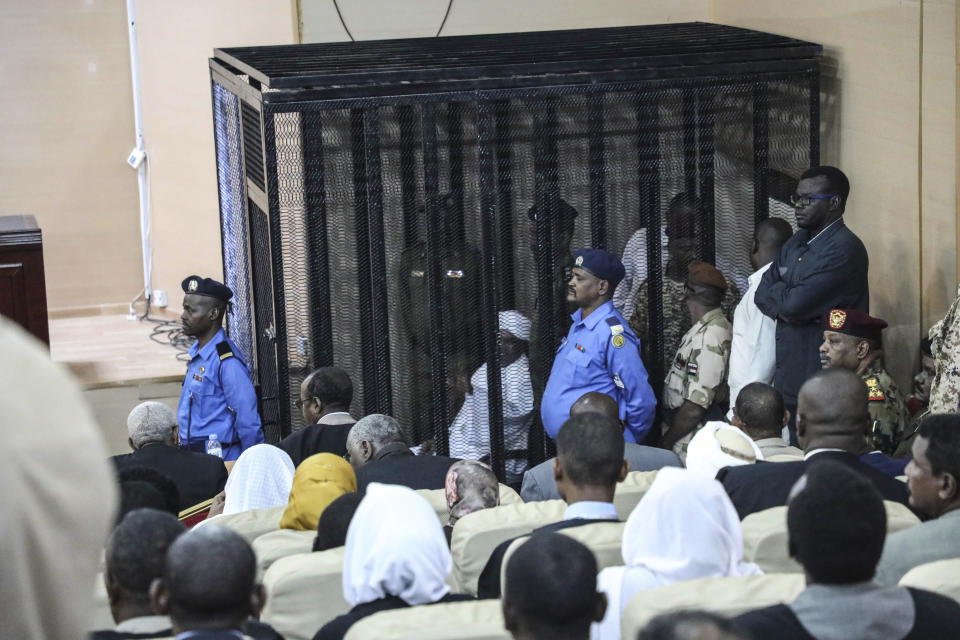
[588,466]
[852,340]
[135,555]
[920,398]
[691,625]
[470,431]
[684,528]
[551,590]
[832,423]
[335,520]
[717,445]
[260,479]
[60,494]
[836,524]
[753,349]
[153,437]
[395,557]
[378,452]
[208,587]
[166,487]
[318,481]
[325,397]
[695,388]
[471,486]
[760,413]
[932,478]
[538,482]
[137,494]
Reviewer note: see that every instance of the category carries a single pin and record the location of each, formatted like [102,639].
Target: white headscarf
[684,528]
[395,547]
[717,445]
[516,323]
[260,479]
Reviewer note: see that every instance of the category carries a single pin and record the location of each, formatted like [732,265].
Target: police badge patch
[618,340]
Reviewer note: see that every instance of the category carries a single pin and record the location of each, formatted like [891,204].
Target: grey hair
[377,429]
[150,421]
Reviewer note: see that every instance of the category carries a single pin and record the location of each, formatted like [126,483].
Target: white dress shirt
[753,352]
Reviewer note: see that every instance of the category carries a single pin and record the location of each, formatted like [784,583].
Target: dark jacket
[803,283]
[198,476]
[935,616]
[337,628]
[893,467]
[398,465]
[755,487]
[316,438]
[488,585]
[254,629]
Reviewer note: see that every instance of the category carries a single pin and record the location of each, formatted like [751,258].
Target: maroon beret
[854,323]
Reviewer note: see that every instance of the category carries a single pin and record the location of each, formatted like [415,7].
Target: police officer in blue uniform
[600,352]
[217,395]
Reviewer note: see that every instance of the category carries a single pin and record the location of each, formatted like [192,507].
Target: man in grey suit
[932,477]
[538,482]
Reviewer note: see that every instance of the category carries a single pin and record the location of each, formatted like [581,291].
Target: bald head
[832,411]
[209,581]
[596,402]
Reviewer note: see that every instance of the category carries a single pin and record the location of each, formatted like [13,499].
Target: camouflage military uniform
[676,318]
[888,412]
[945,347]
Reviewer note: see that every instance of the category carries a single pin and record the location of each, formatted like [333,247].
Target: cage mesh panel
[252,144]
[262,274]
[233,220]
[617,154]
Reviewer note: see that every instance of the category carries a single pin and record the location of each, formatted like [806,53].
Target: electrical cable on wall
[445,16]
[343,22]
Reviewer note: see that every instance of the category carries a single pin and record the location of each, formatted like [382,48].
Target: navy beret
[600,263]
[206,287]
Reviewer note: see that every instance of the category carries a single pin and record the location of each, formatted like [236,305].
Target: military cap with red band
[854,323]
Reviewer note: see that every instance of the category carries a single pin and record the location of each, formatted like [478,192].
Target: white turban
[516,323]
[717,445]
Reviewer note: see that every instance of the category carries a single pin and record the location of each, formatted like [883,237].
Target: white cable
[143,180]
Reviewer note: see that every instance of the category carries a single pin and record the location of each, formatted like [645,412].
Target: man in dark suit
[822,267]
[836,526]
[325,397]
[588,466]
[832,424]
[152,428]
[378,452]
[538,482]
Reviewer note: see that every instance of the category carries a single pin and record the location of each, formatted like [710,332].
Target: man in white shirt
[753,352]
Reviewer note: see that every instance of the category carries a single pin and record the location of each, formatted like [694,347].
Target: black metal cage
[381,203]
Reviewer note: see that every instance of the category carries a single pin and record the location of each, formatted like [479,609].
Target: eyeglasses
[806,201]
[298,403]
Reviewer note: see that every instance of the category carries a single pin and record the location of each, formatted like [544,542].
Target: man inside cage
[470,431]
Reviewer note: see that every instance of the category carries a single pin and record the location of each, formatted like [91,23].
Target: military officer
[599,353]
[852,340]
[695,388]
[217,397]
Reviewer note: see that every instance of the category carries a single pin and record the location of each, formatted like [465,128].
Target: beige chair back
[477,534]
[604,539]
[438,500]
[765,536]
[725,596]
[784,457]
[629,492]
[476,620]
[304,592]
[942,576]
[249,524]
[272,546]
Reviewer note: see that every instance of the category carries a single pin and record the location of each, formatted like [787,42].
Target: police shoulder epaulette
[616,328]
[223,348]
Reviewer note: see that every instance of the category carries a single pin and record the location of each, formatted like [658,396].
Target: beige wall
[373,19]
[876,54]
[176,39]
[65,131]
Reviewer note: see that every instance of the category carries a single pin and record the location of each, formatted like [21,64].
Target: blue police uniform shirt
[211,388]
[589,359]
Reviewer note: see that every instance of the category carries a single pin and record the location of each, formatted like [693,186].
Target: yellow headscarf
[318,481]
